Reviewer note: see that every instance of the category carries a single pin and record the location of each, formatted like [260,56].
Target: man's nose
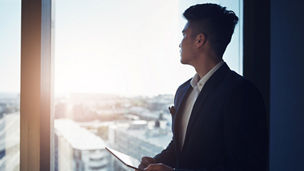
[180,45]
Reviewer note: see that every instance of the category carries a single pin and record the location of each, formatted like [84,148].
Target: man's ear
[200,40]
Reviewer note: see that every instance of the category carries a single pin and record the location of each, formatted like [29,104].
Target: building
[9,132]
[2,141]
[77,149]
[139,138]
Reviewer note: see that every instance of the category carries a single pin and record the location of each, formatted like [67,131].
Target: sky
[10,33]
[110,46]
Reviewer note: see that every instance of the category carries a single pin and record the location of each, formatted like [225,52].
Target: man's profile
[219,118]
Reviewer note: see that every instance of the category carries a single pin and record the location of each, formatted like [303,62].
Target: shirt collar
[196,81]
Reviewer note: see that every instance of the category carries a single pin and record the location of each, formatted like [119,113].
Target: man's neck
[203,66]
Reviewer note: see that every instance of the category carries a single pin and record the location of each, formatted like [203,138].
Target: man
[219,120]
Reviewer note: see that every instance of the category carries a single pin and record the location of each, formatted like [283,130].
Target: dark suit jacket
[226,130]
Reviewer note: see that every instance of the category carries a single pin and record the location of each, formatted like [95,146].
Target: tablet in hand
[125,159]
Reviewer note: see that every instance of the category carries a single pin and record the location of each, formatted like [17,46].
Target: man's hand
[158,167]
[145,162]
[172,110]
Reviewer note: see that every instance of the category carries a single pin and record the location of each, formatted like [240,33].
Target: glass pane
[117,69]
[10,19]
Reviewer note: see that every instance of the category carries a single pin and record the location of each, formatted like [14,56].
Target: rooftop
[77,137]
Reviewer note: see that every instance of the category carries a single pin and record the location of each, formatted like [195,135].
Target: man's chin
[183,61]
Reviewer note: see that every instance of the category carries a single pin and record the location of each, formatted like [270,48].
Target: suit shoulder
[184,84]
[179,90]
[243,85]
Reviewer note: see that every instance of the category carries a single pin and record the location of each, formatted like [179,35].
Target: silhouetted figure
[218,118]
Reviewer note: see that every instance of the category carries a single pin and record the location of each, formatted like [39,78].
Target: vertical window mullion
[36,87]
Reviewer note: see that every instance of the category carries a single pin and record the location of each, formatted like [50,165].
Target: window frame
[37,63]
[36,85]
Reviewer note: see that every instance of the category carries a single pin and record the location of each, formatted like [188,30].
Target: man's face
[187,46]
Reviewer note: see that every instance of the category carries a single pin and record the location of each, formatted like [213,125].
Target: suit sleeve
[167,156]
[245,132]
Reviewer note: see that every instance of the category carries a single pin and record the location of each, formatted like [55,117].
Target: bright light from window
[118,47]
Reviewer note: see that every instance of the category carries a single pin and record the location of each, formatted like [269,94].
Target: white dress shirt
[197,85]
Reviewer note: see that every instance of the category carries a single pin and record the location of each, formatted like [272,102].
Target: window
[127,98]
[10,19]
[117,69]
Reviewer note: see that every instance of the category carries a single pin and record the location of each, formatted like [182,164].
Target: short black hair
[215,22]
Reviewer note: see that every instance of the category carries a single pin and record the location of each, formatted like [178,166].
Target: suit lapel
[184,93]
[209,87]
